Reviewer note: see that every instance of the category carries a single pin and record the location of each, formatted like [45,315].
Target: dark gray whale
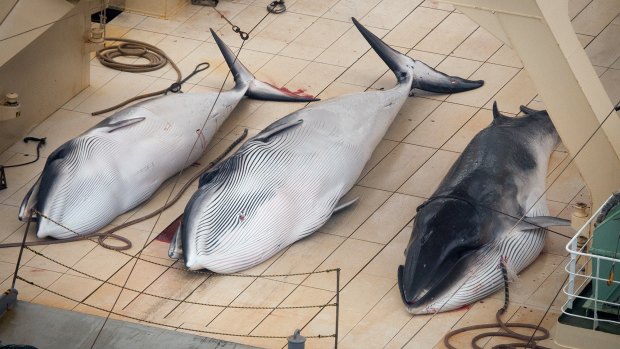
[467,227]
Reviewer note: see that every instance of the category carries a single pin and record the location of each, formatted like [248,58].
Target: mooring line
[171,298]
[21,251]
[158,323]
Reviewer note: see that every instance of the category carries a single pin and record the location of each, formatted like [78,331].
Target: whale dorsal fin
[264,136]
[498,117]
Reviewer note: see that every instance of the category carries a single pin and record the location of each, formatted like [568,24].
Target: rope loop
[157,59]
[127,243]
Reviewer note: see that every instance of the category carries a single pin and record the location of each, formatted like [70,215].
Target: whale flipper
[256,88]
[264,136]
[343,205]
[115,126]
[530,223]
[176,250]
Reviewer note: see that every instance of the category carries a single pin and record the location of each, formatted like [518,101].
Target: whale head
[228,226]
[75,193]
[445,236]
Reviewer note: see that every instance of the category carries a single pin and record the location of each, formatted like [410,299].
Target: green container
[605,242]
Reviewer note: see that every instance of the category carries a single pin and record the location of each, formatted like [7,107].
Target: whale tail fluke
[424,77]
[256,88]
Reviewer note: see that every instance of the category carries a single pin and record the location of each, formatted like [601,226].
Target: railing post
[8,300]
[296,341]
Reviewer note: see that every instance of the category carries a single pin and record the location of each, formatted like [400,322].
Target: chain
[243,35]
[176,299]
[161,324]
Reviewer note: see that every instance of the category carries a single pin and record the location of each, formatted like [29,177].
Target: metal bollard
[8,300]
[296,341]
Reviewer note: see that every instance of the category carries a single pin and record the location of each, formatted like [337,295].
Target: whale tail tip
[424,77]
[257,89]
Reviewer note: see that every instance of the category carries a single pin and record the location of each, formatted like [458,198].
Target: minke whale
[471,223]
[286,182]
[120,162]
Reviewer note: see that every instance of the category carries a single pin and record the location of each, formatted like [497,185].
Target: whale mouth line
[450,265]
[401,269]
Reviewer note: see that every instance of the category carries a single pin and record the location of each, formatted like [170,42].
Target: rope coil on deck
[133,48]
[528,341]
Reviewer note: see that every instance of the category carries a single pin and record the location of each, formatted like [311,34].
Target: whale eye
[241,216]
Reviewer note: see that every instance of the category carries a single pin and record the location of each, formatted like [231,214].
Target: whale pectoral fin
[265,135]
[115,126]
[29,202]
[530,223]
[176,249]
[343,205]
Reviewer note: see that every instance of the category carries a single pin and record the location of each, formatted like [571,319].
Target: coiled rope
[156,57]
[528,341]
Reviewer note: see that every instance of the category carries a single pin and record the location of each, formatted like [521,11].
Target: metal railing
[583,269]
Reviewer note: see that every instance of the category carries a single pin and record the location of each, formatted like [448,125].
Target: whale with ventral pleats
[120,162]
[489,210]
[286,182]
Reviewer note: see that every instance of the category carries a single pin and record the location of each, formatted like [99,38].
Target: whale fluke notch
[256,88]
[424,77]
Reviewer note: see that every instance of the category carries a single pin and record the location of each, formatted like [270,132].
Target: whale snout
[47,228]
[445,236]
